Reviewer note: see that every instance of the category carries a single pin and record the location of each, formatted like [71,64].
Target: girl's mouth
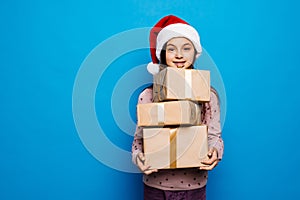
[179,64]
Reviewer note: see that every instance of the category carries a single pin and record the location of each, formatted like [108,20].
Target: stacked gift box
[173,134]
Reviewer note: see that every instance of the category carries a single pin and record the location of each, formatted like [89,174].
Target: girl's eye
[171,49]
[187,48]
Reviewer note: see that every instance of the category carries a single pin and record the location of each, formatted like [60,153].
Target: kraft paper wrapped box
[169,148]
[172,83]
[169,113]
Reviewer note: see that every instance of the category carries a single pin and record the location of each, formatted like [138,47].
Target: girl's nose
[178,54]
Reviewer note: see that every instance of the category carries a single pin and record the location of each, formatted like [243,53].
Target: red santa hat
[167,28]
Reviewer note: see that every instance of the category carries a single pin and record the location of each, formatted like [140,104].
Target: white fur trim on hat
[178,30]
[153,68]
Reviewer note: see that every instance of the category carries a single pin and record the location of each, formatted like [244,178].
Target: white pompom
[153,68]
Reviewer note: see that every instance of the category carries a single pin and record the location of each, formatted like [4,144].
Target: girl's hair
[163,60]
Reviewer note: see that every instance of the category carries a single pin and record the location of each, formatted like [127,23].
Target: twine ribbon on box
[173,145]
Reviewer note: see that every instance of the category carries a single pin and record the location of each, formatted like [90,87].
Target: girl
[174,43]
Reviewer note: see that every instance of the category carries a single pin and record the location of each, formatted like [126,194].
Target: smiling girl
[180,53]
[174,43]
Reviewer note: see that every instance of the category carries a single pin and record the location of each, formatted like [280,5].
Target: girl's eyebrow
[171,45]
[182,45]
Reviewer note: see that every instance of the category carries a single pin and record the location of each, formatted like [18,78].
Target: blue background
[43,43]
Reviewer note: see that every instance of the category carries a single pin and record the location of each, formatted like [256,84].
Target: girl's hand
[211,161]
[141,164]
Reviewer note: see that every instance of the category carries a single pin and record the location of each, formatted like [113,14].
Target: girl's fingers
[149,171]
[211,158]
[209,167]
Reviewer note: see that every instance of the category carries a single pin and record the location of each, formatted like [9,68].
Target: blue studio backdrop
[71,72]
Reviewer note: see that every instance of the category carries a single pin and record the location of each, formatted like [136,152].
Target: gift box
[173,83]
[169,113]
[169,148]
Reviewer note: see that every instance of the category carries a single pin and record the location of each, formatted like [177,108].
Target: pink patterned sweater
[186,178]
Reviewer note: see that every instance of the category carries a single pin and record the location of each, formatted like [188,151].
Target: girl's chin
[179,67]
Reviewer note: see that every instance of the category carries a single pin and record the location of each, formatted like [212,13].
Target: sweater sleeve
[137,144]
[212,120]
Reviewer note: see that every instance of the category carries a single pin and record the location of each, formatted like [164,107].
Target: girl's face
[180,53]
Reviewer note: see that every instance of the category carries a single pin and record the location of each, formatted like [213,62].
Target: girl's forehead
[179,41]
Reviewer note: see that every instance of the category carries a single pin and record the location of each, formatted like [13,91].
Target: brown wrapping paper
[172,84]
[169,113]
[182,147]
